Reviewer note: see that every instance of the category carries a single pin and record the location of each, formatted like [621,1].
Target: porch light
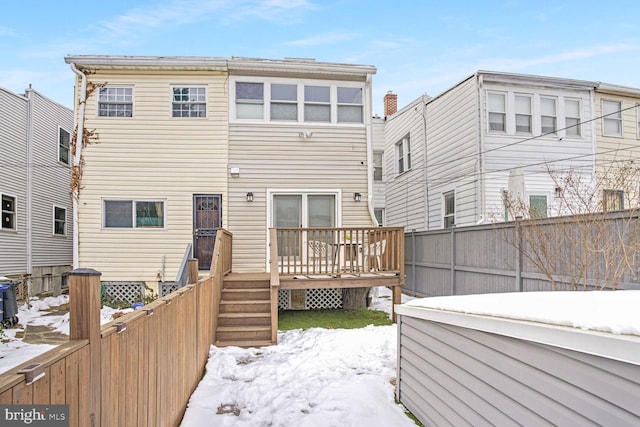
[249,197]
[357,197]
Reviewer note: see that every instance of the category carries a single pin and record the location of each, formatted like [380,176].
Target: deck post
[192,265]
[84,324]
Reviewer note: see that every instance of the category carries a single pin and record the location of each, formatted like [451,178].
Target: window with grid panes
[59,221]
[115,101]
[189,102]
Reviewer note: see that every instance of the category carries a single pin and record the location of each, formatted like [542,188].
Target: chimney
[390,103]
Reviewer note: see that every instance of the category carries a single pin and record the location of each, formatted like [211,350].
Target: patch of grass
[331,319]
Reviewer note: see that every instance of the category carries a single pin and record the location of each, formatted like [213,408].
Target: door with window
[304,210]
[207,217]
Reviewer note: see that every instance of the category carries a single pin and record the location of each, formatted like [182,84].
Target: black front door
[207,217]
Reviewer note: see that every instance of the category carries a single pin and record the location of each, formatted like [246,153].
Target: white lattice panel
[284,299]
[129,292]
[323,298]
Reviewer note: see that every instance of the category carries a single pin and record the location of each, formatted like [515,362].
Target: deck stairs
[244,319]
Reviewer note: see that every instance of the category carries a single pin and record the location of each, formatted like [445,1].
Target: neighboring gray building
[36,226]
[377,126]
[450,159]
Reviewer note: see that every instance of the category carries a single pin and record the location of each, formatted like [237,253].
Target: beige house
[184,145]
[617,144]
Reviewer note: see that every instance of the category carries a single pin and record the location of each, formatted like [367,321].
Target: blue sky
[417,46]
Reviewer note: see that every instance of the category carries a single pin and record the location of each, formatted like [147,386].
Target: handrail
[182,278]
[274,281]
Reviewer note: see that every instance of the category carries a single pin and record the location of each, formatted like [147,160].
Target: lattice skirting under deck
[314,299]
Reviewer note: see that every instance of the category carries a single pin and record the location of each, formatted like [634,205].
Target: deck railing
[339,251]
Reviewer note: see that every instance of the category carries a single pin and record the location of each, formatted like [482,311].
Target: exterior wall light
[357,197]
[249,197]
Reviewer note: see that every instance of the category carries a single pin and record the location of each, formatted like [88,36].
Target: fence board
[41,389]
[72,388]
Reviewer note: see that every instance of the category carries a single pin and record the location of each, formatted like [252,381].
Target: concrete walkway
[39,334]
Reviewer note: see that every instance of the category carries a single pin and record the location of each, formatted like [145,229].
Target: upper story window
[317,104]
[59,221]
[403,155]
[281,100]
[133,213]
[284,102]
[349,105]
[572,117]
[611,118]
[64,139]
[497,112]
[249,100]
[377,165]
[548,115]
[114,101]
[449,211]
[189,102]
[523,114]
[8,212]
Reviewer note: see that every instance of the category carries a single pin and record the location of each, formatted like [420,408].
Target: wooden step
[239,319]
[240,333]
[242,294]
[247,306]
[244,343]
[244,284]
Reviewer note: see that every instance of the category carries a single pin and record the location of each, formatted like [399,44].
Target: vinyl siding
[534,153]
[51,183]
[274,157]
[151,156]
[452,138]
[405,193]
[377,131]
[13,179]
[452,375]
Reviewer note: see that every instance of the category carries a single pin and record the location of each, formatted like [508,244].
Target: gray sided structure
[36,231]
[457,369]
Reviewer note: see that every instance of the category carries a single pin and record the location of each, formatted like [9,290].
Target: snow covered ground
[14,351]
[317,377]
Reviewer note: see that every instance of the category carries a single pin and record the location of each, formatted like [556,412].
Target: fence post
[413,261]
[192,266]
[519,287]
[84,324]
[453,260]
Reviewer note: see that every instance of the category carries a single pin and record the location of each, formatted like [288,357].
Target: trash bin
[2,289]
[9,304]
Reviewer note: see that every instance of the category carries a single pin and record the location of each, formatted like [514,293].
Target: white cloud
[322,39]
[8,32]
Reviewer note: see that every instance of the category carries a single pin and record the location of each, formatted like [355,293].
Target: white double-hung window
[496,104]
[548,116]
[249,100]
[115,101]
[189,102]
[611,118]
[572,117]
[284,102]
[349,105]
[403,155]
[523,113]
[317,104]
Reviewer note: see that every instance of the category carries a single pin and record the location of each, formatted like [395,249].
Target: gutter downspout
[426,163]
[368,114]
[76,160]
[29,216]
[480,151]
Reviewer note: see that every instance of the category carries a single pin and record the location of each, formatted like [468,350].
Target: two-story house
[189,144]
[617,150]
[451,159]
[35,229]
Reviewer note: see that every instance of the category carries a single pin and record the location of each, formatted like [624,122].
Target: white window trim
[544,194]
[505,112]
[189,86]
[301,83]
[15,212]
[621,135]
[300,191]
[133,98]
[68,164]
[564,116]
[381,153]
[53,217]
[515,113]
[132,200]
[443,206]
[406,164]
[557,125]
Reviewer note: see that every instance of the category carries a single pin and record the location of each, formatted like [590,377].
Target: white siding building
[36,229]
[466,142]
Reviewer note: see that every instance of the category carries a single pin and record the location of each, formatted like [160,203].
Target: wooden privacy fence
[578,252]
[138,370]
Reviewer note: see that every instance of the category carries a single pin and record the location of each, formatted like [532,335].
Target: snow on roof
[614,312]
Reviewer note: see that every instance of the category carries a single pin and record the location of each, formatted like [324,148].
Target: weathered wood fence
[140,369]
[490,258]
